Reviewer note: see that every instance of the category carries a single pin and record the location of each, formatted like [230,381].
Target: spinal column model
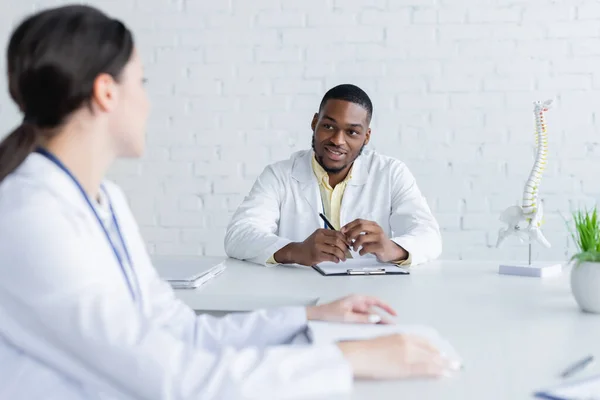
[531,212]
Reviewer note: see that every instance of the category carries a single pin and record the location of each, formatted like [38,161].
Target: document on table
[189,276]
[582,389]
[365,265]
[320,332]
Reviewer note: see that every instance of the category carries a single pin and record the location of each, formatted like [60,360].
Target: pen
[324,218]
[581,364]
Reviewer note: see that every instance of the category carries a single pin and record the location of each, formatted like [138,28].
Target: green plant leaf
[586,235]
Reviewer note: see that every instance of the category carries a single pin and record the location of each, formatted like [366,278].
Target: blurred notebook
[189,275]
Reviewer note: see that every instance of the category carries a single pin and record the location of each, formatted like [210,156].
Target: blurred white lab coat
[284,205]
[69,328]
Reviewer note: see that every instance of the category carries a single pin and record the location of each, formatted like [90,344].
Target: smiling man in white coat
[372,201]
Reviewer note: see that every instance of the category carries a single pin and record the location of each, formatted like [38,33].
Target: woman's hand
[396,357]
[354,308]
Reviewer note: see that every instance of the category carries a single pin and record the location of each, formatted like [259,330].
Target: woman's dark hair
[53,59]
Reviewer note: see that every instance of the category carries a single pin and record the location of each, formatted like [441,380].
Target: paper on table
[588,388]
[320,332]
[368,263]
[197,280]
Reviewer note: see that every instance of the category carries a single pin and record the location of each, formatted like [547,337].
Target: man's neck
[335,178]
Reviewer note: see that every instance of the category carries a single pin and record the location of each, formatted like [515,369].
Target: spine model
[530,194]
[531,210]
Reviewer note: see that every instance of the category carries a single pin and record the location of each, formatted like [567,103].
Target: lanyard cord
[59,164]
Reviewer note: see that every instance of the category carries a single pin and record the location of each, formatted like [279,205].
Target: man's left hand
[373,240]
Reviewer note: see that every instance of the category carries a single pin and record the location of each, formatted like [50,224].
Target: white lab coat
[284,205]
[69,328]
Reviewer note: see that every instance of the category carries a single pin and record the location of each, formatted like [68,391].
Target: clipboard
[363,266]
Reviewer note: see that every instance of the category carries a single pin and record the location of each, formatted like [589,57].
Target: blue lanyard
[59,164]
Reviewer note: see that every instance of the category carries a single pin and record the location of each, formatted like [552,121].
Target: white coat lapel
[360,170]
[303,173]
[352,194]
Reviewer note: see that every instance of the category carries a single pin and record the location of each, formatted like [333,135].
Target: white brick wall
[235,83]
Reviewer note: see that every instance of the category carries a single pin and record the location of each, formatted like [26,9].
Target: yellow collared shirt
[331,197]
[332,201]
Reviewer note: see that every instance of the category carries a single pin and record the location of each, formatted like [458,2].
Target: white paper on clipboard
[359,266]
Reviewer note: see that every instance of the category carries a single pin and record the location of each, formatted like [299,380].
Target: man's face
[340,131]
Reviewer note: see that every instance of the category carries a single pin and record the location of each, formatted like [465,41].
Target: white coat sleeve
[252,232]
[260,328]
[413,225]
[64,309]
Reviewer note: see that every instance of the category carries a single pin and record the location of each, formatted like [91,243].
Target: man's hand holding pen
[370,238]
[366,237]
[322,245]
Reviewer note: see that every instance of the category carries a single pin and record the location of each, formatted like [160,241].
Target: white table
[516,334]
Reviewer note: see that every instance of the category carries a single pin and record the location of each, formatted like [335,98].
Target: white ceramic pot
[585,285]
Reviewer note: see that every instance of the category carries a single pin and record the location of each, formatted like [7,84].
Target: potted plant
[585,274]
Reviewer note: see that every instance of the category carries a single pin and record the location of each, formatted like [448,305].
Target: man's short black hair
[351,93]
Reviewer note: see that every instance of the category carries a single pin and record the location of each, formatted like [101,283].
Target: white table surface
[515,334]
